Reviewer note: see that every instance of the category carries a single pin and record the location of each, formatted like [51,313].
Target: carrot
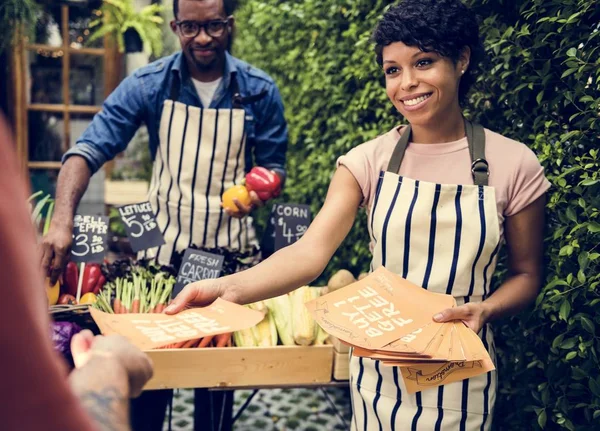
[117,306]
[159,308]
[190,343]
[135,308]
[222,339]
[204,342]
[177,345]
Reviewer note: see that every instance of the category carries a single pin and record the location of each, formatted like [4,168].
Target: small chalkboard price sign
[197,265]
[89,238]
[140,226]
[290,223]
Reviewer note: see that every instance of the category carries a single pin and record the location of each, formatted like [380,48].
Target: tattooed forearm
[107,407]
[103,390]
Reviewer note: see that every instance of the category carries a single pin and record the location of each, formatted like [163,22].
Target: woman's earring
[462,71]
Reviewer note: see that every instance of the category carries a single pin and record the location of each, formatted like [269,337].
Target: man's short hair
[228,5]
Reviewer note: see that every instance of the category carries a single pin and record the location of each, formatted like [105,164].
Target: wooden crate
[239,367]
[341,365]
[338,345]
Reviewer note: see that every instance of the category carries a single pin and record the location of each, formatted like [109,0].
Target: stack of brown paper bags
[387,318]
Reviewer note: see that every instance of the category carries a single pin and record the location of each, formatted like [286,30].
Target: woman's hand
[474,315]
[200,294]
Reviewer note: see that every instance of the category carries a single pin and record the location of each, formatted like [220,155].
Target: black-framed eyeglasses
[191,29]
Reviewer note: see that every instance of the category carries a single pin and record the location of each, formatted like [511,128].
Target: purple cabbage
[62,332]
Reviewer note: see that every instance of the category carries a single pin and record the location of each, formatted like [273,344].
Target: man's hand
[55,249]
[200,294]
[244,210]
[138,367]
[474,315]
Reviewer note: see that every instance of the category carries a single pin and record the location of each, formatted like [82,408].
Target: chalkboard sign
[290,223]
[89,238]
[197,265]
[141,227]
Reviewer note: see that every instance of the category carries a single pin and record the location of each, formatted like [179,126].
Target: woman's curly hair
[441,26]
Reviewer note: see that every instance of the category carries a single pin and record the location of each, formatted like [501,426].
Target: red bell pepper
[99,284]
[91,275]
[265,183]
[71,278]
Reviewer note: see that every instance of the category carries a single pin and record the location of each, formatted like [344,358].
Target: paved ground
[275,410]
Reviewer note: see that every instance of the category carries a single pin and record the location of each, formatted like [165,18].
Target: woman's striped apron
[201,154]
[443,237]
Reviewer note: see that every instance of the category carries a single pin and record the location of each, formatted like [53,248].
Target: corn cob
[322,336]
[264,332]
[245,337]
[281,312]
[305,327]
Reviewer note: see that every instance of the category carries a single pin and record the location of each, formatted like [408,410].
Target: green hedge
[542,87]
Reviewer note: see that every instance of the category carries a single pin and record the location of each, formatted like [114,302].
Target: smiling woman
[442,196]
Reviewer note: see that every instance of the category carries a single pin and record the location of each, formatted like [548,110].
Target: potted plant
[134,31]
[15,16]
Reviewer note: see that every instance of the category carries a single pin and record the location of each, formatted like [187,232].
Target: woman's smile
[415,102]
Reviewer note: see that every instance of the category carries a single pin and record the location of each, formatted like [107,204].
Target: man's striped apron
[201,154]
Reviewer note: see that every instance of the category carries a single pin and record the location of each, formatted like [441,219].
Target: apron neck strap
[476,141]
[175,85]
[235,90]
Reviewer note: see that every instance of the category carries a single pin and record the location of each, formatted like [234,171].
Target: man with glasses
[210,118]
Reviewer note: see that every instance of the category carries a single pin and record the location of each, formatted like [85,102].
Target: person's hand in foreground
[85,347]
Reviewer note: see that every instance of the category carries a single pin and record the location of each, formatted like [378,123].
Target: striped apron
[443,237]
[200,155]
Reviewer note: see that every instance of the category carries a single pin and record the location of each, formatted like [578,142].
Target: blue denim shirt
[139,98]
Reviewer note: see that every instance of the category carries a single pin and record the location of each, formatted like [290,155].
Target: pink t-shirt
[515,171]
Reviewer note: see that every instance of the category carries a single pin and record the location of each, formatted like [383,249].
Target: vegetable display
[286,321]
[140,287]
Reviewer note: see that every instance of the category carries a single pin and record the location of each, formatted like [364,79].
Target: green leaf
[593,227]
[572,52]
[589,182]
[594,387]
[583,259]
[588,325]
[542,418]
[540,97]
[567,73]
[569,343]
[571,355]
[571,215]
[566,250]
[581,276]
[558,341]
[572,18]
[565,310]
[578,373]
[596,414]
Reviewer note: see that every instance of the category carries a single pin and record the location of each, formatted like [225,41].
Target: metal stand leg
[335,409]
[246,404]
[171,411]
